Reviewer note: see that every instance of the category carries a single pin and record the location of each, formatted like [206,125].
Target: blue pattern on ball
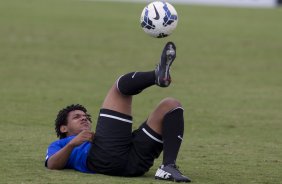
[147,23]
[168,18]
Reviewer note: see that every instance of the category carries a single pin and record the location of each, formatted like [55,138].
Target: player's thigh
[117,102]
[111,144]
[113,130]
[146,147]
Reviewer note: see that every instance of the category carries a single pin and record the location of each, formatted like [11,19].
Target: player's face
[77,122]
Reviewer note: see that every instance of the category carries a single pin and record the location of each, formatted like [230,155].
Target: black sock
[173,127]
[134,82]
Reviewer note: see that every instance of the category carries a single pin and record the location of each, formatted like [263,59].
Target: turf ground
[228,75]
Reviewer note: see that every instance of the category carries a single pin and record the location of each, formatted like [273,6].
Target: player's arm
[60,158]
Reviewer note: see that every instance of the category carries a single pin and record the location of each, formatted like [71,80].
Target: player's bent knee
[171,103]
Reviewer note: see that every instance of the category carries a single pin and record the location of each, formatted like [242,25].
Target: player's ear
[63,129]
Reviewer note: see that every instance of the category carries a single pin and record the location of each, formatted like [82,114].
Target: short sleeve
[52,149]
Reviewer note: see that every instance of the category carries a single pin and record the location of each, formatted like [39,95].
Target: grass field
[228,75]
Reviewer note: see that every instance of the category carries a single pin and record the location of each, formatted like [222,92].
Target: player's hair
[62,117]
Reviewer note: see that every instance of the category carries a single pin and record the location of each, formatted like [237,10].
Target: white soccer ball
[159,19]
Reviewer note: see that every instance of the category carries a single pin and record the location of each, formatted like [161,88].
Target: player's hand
[83,136]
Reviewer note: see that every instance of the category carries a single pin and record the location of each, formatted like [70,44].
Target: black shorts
[116,150]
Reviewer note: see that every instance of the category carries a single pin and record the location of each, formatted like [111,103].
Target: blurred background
[228,76]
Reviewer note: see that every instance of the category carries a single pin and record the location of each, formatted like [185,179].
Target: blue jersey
[78,157]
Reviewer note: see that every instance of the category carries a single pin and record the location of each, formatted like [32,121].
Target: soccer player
[114,149]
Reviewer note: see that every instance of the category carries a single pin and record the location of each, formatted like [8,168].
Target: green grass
[228,75]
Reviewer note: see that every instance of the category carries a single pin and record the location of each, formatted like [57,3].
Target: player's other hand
[83,136]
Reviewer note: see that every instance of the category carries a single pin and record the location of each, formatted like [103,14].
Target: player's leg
[163,131]
[119,98]
[167,120]
[156,118]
